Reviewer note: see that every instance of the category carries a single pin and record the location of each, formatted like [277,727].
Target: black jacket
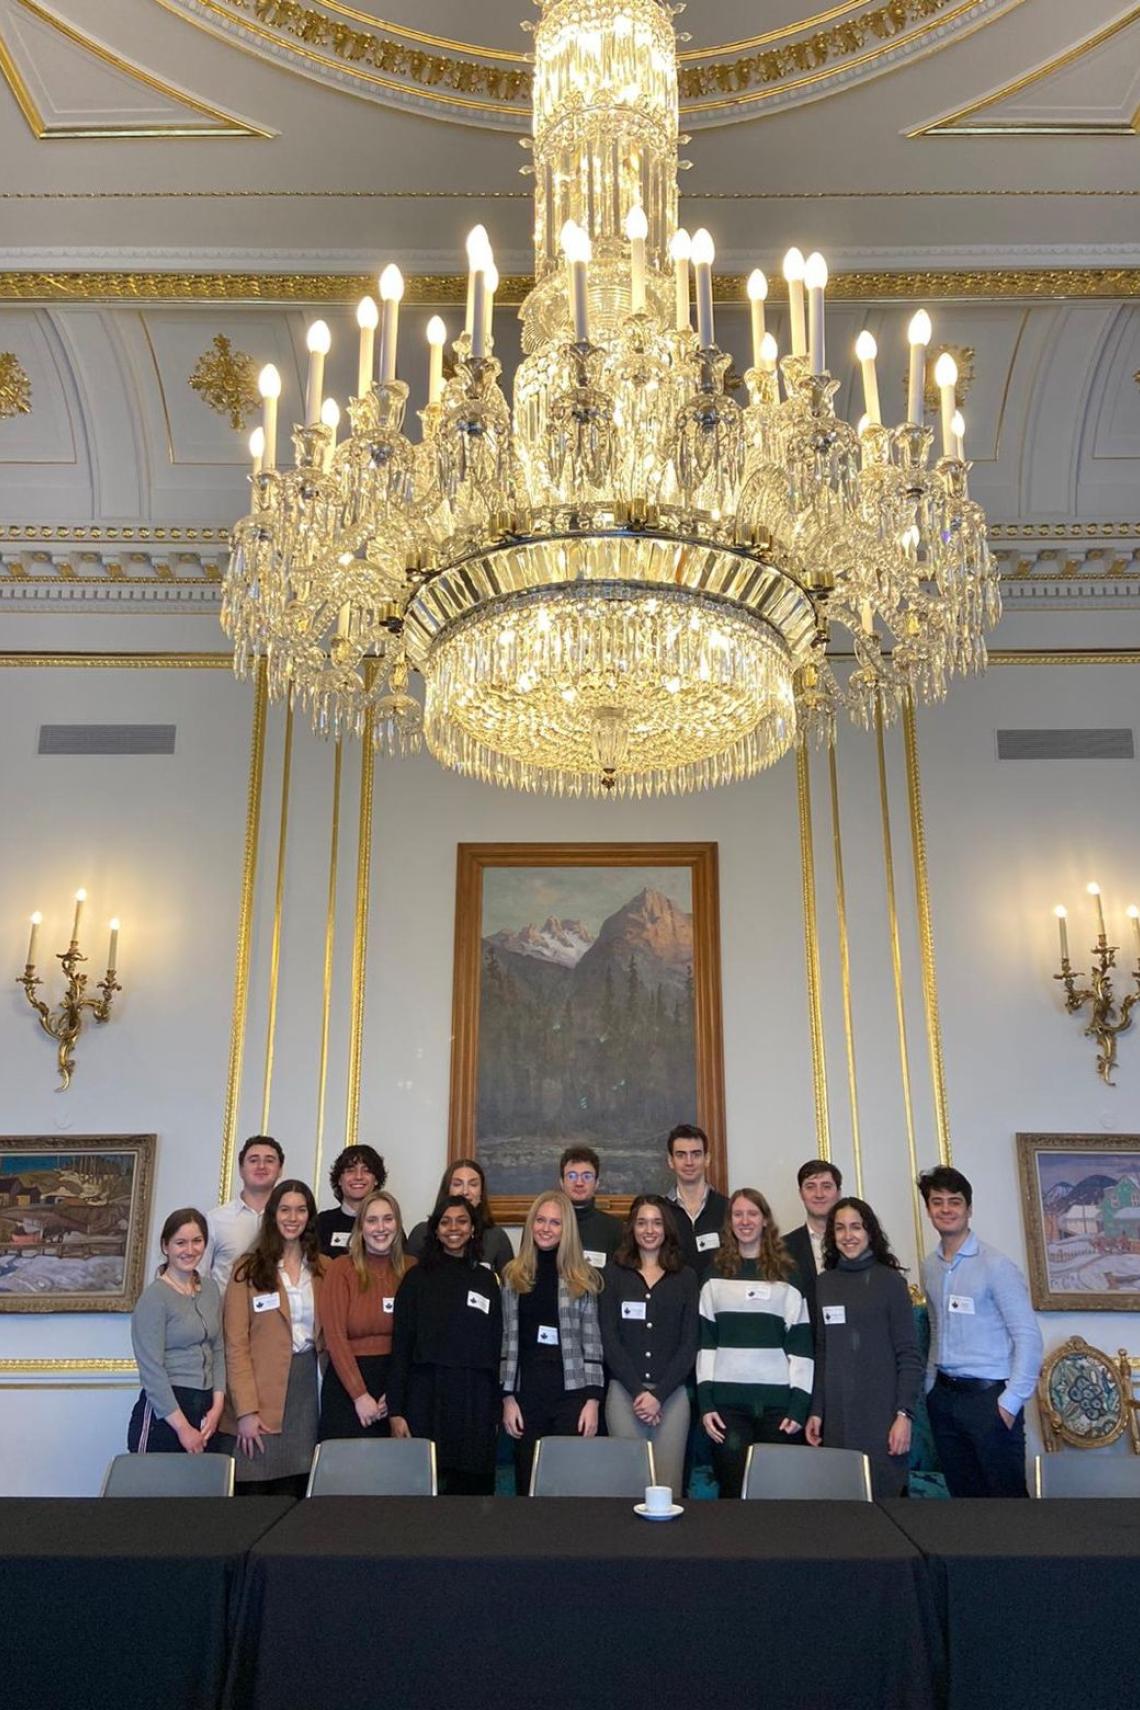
[798,1243]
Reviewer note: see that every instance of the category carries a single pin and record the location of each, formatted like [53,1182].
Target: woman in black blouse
[650,1327]
[466,1177]
[447,1331]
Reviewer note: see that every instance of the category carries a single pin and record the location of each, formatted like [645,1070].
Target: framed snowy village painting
[1081,1201]
[586,1010]
[74,1216]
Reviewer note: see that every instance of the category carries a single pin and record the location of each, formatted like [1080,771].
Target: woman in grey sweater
[868,1371]
[176,1333]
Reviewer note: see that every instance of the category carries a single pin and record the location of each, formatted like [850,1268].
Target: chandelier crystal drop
[624,582]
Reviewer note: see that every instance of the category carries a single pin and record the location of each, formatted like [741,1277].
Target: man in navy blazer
[820,1184]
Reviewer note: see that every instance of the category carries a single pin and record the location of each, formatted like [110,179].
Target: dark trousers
[148,1435]
[548,1410]
[742,1428]
[980,1454]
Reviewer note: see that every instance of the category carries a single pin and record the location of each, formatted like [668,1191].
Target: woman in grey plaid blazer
[552,1346]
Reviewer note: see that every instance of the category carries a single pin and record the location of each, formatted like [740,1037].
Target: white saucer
[670,1513]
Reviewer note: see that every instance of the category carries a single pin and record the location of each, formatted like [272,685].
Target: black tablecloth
[483,1602]
[122,1602]
[1039,1601]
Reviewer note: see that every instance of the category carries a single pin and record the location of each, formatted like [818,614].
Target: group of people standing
[691,1306]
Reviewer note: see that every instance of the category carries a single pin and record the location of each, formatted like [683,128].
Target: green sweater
[756,1345]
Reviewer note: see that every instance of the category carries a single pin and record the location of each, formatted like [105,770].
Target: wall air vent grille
[1065,745]
[106,739]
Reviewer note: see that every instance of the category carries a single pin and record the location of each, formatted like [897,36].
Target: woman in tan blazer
[272,1326]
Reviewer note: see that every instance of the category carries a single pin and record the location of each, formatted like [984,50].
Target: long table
[482,1601]
[108,1604]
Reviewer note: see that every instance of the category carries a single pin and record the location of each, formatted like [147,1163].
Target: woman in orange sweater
[356,1314]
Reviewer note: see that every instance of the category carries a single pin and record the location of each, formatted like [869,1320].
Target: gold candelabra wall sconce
[65,1023]
[1108,1018]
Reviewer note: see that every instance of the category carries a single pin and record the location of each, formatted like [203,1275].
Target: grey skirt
[290,1450]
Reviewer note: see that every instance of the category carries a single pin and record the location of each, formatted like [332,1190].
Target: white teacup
[658,1498]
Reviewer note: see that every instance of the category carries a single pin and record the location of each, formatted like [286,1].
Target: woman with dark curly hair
[754,1368]
[356,1172]
[649,1332]
[272,1328]
[466,1176]
[868,1371]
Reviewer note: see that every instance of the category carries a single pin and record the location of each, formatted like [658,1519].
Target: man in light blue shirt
[985,1347]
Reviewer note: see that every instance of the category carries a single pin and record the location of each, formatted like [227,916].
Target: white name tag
[548,1335]
[480,1302]
[633,1309]
[388,1304]
[340,1237]
[962,1303]
[706,1243]
[835,1315]
[266,1302]
[598,1260]
[758,1291]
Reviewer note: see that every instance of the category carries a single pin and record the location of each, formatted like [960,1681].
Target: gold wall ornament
[15,387]
[964,358]
[1108,1017]
[226,380]
[65,1023]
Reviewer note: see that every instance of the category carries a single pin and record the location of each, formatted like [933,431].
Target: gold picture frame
[1080,1196]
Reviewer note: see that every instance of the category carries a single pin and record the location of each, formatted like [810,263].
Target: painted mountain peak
[562,941]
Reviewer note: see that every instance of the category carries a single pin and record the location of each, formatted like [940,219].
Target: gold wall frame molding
[845,965]
[68,1374]
[330,947]
[811,954]
[278,909]
[930,1005]
[360,921]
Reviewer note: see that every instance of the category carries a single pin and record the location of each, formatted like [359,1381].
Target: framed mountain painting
[586,1010]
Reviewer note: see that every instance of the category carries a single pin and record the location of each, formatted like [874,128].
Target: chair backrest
[169,1475]
[591,1466]
[1076,1474]
[379,1466]
[783,1471]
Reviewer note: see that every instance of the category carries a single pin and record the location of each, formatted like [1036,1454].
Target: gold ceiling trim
[953,125]
[75,534]
[117,661]
[441,289]
[974,193]
[221,124]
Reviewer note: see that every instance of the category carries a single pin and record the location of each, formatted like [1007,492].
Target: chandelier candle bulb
[478,328]
[757,295]
[491,285]
[269,385]
[113,946]
[257,449]
[437,338]
[866,351]
[319,341]
[918,337]
[1062,914]
[946,379]
[80,899]
[680,251]
[794,276]
[1094,892]
[959,426]
[576,249]
[704,253]
[36,923]
[367,319]
[391,290]
[637,230]
[815,278]
[478,258]
[769,353]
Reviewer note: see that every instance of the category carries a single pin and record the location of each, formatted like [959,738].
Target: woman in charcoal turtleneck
[868,1371]
[552,1346]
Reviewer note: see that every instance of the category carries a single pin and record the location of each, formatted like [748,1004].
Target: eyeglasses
[584,1176]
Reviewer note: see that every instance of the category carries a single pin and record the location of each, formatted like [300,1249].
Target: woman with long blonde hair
[552,1346]
[357,1311]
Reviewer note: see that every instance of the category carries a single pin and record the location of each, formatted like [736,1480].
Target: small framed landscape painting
[586,1010]
[1081,1202]
[74,1217]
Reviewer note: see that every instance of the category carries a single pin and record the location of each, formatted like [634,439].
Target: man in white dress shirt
[234,1226]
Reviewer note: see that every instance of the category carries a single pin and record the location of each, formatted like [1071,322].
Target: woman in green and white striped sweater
[754,1368]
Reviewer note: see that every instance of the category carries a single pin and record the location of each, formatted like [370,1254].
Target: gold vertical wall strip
[330,943]
[278,908]
[245,931]
[896,971]
[926,934]
[811,955]
[360,932]
[845,967]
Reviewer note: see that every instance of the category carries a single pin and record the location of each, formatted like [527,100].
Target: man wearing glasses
[579,1169]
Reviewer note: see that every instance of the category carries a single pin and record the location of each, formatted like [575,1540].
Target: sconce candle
[37,920]
[113,947]
[64,1023]
[1094,892]
[80,899]
[1134,917]
[1062,916]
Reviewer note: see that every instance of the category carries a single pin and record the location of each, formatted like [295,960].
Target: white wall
[159,841]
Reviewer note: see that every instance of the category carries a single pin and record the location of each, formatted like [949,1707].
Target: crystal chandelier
[628,583]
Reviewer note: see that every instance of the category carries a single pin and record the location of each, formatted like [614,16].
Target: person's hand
[1007,1419]
[813,1430]
[588,1419]
[898,1437]
[190,1437]
[399,1426]
[512,1417]
[210,1422]
[647,1408]
[367,1410]
[790,1426]
[249,1433]
[381,1406]
[715,1426]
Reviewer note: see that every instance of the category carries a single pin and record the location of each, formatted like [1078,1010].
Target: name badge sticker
[266,1302]
[835,1315]
[548,1335]
[962,1303]
[481,1302]
[758,1291]
[707,1243]
[598,1260]
[340,1238]
[633,1309]
[388,1304]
